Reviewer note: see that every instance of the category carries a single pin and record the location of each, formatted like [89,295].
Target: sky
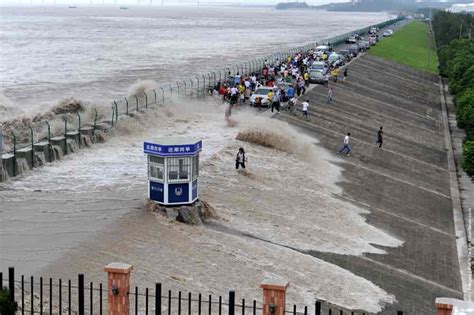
[167,2]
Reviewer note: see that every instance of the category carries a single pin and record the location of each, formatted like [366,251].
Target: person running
[305,109]
[329,96]
[240,159]
[234,95]
[345,146]
[380,137]
[345,74]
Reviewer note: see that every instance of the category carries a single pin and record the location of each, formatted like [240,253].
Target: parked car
[261,92]
[336,60]
[372,40]
[362,45]
[322,49]
[320,66]
[347,54]
[316,76]
[373,30]
[354,49]
[351,40]
[387,33]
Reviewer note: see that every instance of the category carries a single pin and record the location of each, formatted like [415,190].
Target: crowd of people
[286,81]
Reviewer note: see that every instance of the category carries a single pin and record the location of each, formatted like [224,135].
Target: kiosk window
[156,166]
[179,169]
[195,160]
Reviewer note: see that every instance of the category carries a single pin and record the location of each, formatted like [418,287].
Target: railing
[199,85]
[55,296]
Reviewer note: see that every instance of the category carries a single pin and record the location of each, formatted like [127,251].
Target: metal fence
[195,87]
[54,296]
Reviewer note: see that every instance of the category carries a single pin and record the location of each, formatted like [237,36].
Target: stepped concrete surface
[405,184]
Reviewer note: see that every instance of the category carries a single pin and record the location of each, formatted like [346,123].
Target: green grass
[412,45]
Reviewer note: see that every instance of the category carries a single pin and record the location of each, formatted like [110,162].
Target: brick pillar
[274,292]
[444,309]
[118,288]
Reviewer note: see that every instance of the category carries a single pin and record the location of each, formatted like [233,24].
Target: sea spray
[22,166]
[40,158]
[57,152]
[140,87]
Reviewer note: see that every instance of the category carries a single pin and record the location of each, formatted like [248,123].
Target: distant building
[291,5]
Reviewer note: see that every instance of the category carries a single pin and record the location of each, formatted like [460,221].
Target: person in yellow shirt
[306,78]
[324,56]
[270,97]
[335,73]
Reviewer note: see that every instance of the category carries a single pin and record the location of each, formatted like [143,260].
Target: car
[351,40]
[354,49]
[320,66]
[387,33]
[261,92]
[362,45]
[336,60]
[372,40]
[347,54]
[320,50]
[373,30]
[316,76]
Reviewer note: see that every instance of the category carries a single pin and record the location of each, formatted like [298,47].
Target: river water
[96,53]
[67,217]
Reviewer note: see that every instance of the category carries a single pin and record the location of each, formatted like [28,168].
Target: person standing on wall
[380,137]
[240,159]
[345,146]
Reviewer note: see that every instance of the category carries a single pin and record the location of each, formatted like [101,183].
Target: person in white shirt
[305,108]
[240,159]
[345,146]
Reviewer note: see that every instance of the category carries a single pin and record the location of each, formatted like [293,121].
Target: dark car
[354,49]
[347,54]
[316,76]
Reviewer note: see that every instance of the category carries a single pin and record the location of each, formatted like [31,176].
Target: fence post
[444,306]
[274,296]
[118,288]
[14,154]
[32,147]
[11,283]
[126,104]
[80,294]
[231,302]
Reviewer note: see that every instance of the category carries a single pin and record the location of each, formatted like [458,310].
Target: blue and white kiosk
[173,170]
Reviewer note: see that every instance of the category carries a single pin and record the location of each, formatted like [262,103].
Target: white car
[387,33]
[261,92]
[320,50]
[351,40]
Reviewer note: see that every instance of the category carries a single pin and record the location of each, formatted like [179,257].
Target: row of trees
[456,62]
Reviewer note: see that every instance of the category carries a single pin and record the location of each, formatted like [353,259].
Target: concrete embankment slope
[405,185]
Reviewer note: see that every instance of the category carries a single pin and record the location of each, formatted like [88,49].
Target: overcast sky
[168,2]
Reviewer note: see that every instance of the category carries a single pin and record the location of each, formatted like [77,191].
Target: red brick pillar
[274,296]
[118,288]
[444,309]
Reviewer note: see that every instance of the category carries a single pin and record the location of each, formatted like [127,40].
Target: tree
[7,307]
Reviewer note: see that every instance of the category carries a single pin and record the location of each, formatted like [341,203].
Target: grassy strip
[413,45]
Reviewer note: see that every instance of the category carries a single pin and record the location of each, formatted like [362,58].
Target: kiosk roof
[174,141]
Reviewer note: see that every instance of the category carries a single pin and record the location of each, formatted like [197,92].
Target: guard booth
[173,170]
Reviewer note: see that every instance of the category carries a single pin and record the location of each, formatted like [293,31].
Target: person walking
[380,137]
[305,108]
[345,74]
[276,101]
[345,146]
[329,96]
[240,159]
[326,80]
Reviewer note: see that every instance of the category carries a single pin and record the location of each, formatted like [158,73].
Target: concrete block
[25,153]
[8,166]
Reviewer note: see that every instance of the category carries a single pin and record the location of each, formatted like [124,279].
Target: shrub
[468,157]
[465,110]
[7,307]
